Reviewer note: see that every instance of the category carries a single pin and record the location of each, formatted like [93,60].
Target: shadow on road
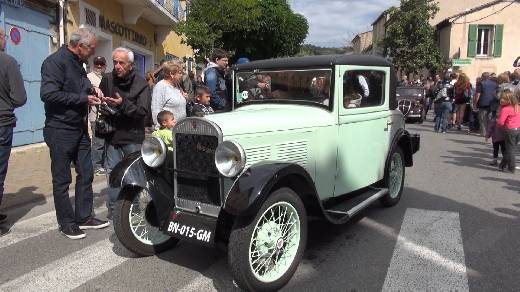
[25,200]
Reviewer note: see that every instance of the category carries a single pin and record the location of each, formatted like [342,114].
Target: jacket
[64,90]
[215,80]
[12,91]
[131,115]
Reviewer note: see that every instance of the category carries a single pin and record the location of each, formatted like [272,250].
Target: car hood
[267,118]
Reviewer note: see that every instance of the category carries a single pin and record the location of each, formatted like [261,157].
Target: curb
[30,147]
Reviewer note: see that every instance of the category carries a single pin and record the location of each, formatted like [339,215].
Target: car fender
[132,172]
[253,186]
[409,144]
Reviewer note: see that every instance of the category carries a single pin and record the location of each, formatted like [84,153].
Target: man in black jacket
[128,95]
[67,93]
[12,94]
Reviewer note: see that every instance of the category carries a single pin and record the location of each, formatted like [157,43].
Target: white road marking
[35,226]
[429,254]
[71,271]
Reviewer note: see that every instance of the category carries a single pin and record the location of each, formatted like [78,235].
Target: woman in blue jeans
[442,113]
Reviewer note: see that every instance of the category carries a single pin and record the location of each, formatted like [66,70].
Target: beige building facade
[362,43]
[481,39]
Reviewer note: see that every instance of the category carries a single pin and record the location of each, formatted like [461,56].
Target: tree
[257,29]
[410,39]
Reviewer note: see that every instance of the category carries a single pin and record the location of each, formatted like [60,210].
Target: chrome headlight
[230,158]
[153,151]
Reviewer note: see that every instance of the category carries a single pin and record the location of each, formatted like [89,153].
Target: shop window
[140,64]
[485,40]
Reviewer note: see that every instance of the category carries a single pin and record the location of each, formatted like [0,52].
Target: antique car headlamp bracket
[230,158]
[153,151]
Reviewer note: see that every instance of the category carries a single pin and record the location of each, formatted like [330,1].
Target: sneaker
[459,128]
[3,218]
[4,231]
[73,232]
[517,167]
[493,163]
[100,172]
[94,223]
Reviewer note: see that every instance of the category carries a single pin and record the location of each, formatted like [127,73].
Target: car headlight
[153,151]
[230,158]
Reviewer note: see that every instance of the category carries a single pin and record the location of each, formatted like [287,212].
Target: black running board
[345,210]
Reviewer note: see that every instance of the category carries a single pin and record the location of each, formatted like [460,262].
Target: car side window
[363,88]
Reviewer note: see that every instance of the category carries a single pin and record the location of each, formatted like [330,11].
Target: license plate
[193,227]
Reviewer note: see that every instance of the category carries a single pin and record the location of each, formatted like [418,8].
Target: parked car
[412,102]
[313,136]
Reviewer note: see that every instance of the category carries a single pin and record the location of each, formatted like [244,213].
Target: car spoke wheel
[394,177]
[141,228]
[136,226]
[265,251]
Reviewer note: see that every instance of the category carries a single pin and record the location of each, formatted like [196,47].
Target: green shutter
[499,35]
[472,40]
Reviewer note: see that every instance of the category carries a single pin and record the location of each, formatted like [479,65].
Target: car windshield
[404,92]
[307,86]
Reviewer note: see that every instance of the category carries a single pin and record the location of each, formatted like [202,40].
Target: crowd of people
[93,120]
[489,108]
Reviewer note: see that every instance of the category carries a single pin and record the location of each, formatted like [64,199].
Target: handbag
[467,95]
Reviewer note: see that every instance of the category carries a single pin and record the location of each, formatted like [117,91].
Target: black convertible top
[316,61]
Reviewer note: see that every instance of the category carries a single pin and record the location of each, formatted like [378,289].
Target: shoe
[93,223]
[444,132]
[517,167]
[494,163]
[459,128]
[109,214]
[73,232]
[3,218]
[100,172]
[4,231]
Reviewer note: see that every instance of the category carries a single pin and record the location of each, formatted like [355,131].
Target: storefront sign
[14,3]
[461,62]
[122,31]
[15,35]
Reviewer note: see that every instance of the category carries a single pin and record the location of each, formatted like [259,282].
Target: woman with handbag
[462,96]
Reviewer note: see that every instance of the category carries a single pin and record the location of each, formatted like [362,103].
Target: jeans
[442,113]
[114,154]
[512,138]
[499,145]
[98,148]
[483,117]
[6,142]
[66,146]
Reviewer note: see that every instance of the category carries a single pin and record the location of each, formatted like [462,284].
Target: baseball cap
[100,60]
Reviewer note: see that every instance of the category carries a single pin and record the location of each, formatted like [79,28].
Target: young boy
[167,122]
[201,106]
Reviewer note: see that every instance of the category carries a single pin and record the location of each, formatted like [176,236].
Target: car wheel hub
[274,242]
[396,175]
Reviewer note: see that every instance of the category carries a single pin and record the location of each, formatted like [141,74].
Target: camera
[107,110]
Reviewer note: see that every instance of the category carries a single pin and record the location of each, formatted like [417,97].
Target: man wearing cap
[98,144]
[12,95]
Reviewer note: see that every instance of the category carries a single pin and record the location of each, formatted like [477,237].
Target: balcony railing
[173,7]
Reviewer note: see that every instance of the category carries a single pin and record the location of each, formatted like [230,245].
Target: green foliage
[311,50]
[257,29]
[410,39]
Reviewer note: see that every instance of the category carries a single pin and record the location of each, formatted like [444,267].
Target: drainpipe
[62,21]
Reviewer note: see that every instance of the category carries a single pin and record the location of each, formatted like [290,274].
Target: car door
[364,126]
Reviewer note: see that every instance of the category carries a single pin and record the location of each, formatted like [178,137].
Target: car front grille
[404,106]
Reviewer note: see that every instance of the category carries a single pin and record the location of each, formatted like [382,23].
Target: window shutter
[497,47]
[472,40]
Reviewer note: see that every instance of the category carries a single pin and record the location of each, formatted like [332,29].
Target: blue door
[30,45]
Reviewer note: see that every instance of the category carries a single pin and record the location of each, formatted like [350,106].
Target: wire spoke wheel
[139,224]
[275,242]
[396,174]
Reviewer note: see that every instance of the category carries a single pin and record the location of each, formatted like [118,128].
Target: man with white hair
[12,95]
[128,104]
[67,92]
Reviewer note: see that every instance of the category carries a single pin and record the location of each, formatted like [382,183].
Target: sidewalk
[29,176]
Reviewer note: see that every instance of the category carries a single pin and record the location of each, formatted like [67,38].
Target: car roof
[316,61]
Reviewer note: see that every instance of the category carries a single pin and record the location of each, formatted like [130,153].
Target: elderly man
[12,95]
[67,93]
[129,100]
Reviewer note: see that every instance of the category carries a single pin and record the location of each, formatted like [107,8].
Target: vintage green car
[313,136]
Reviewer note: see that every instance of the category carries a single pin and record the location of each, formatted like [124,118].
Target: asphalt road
[457,227]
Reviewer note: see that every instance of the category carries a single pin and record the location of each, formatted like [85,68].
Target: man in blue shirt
[216,81]
[485,100]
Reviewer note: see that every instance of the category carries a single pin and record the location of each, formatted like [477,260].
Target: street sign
[461,62]
[15,35]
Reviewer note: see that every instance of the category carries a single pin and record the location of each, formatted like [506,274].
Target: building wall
[458,40]
[378,34]
[362,41]
[449,8]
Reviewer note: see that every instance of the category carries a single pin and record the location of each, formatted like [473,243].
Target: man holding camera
[127,105]
[67,93]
